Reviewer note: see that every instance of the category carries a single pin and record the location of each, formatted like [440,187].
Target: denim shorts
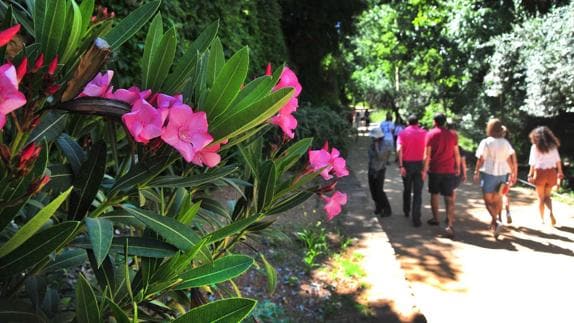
[491,183]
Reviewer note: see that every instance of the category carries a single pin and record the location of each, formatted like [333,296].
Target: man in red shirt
[442,160]
[410,153]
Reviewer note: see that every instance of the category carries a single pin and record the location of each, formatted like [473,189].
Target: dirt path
[525,276]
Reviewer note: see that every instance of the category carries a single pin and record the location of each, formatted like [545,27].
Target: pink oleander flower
[143,122]
[99,86]
[6,35]
[333,204]
[289,79]
[164,102]
[287,123]
[186,131]
[10,98]
[208,156]
[328,162]
[130,95]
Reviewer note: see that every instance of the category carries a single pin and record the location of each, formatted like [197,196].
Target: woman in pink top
[545,167]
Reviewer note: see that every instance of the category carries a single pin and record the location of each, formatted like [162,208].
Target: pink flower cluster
[285,119]
[163,116]
[330,163]
[10,97]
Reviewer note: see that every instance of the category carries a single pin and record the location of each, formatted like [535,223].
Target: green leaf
[73,152]
[131,24]
[233,228]
[87,309]
[215,62]
[51,126]
[227,85]
[192,181]
[105,274]
[153,38]
[61,176]
[226,310]
[172,231]
[271,275]
[38,247]
[162,60]
[291,155]
[87,183]
[34,224]
[49,25]
[253,91]
[119,315]
[236,122]
[220,270]
[186,64]
[75,30]
[142,173]
[101,232]
[290,202]
[137,246]
[87,9]
[266,185]
[187,215]
[68,258]
[14,311]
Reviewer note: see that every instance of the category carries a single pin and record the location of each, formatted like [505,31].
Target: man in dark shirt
[442,160]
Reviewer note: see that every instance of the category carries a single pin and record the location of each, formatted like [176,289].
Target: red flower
[6,35]
[53,66]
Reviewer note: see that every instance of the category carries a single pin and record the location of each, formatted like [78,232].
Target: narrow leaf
[75,30]
[51,126]
[153,38]
[101,232]
[290,202]
[226,310]
[162,60]
[233,228]
[131,24]
[222,269]
[73,152]
[34,224]
[87,183]
[137,246]
[266,185]
[69,258]
[271,275]
[192,181]
[87,309]
[215,62]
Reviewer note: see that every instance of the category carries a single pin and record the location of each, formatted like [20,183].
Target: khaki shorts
[546,177]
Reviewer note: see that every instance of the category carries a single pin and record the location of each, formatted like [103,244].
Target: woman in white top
[545,167]
[495,168]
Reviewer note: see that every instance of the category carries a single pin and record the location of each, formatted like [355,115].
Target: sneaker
[432,222]
[508,218]
[449,232]
[496,228]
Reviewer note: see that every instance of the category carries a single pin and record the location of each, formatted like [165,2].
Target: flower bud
[22,69]
[53,66]
[38,63]
[38,185]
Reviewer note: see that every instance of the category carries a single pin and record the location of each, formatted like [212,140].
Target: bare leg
[548,203]
[541,194]
[435,200]
[449,202]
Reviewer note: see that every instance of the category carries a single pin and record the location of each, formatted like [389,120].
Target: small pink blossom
[164,102]
[328,162]
[6,35]
[208,156]
[186,131]
[130,95]
[268,70]
[287,123]
[143,122]
[99,86]
[333,204]
[10,98]
[289,79]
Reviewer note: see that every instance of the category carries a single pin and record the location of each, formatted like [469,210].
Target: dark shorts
[443,184]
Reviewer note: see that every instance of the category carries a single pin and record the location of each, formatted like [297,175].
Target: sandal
[432,222]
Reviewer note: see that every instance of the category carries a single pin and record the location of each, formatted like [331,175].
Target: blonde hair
[494,128]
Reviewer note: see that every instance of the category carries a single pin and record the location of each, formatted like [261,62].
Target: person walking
[506,188]
[495,168]
[378,156]
[410,155]
[388,128]
[545,167]
[442,160]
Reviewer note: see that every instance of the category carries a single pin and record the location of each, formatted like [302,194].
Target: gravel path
[525,276]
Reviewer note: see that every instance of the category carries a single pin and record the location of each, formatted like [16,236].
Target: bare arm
[463,166]
[479,164]
[400,158]
[427,156]
[512,163]
[457,166]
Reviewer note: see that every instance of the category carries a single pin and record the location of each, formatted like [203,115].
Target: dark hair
[494,128]
[413,120]
[440,119]
[543,138]
[389,116]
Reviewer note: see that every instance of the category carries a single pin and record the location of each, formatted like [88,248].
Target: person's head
[389,116]
[494,128]
[413,120]
[543,138]
[439,119]
[376,133]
